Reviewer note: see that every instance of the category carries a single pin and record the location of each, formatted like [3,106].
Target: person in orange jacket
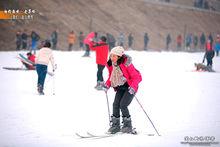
[71,40]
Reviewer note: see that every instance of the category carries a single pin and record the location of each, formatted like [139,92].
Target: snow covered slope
[180,102]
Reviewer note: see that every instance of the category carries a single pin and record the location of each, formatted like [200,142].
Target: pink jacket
[88,39]
[132,75]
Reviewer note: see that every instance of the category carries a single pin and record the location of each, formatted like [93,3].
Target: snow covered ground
[181,103]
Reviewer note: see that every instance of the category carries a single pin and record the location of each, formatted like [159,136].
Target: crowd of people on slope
[193,43]
[189,42]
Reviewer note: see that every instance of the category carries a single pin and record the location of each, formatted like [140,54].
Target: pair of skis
[94,136]
[90,135]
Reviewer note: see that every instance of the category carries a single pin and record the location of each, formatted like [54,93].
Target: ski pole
[108,108]
[53,83]
[55,67]
[147,115]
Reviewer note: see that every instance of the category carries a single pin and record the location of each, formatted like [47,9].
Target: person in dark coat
[146,40]
[18,40]
[202,41]
[54,39]
[130,40]
[168,41]
[81,39]
[24,37]
[110,40]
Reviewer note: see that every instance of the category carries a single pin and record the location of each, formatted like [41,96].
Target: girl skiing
[44,56]
[124,78]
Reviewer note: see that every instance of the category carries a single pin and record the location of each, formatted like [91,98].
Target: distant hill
[113,16]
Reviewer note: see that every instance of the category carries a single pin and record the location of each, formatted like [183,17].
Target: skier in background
[101,49]
[124,78]
[89,41]
[209,54]
[54,39]
[179,41]
[168,41]
[217,45]
[121,39]
[146,40]
[34,41]
[110,40]
[130,41]
[81,38]
[202,40]
[18,40]
[24,37]
[71,40]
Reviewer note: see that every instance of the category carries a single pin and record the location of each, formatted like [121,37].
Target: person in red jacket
[101,49]
[124,78]
[31,57]
[209,54]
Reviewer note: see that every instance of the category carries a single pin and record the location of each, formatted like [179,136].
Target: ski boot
[127,126]
[87,54]
[115,125]
[40,89]
[99,85]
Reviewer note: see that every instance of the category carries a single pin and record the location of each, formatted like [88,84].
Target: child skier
[44,56]
[101,49]
[124,78]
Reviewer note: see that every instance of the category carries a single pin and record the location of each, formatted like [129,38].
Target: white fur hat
[118,50]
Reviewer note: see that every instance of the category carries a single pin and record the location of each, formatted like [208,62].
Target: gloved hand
[131,90]
[105,88]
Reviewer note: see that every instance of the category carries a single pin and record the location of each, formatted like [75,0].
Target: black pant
[18,46]
[87,53]
[54,45]
[99,72]
[209,57]
[122,100]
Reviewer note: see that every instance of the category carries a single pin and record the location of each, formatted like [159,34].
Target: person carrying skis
[124,78]
[44,55]
[101,49]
